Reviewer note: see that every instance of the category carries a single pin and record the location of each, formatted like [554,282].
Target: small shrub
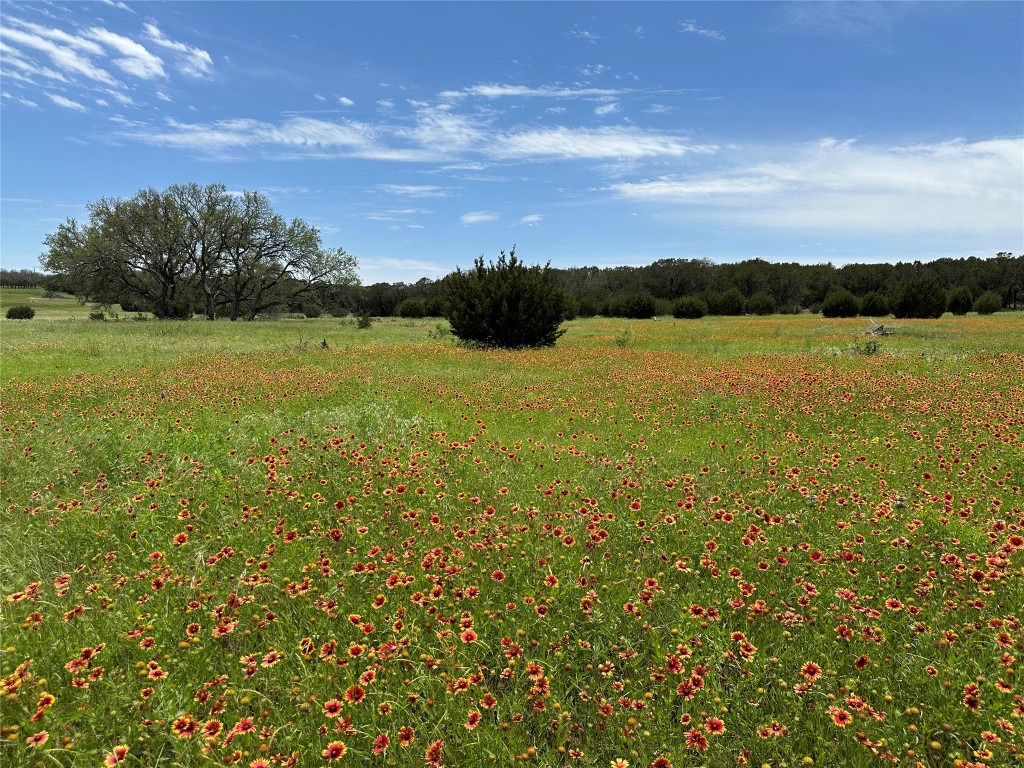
[874,304]
[178,309]
[364,321]
[840,303]
[690,308]
[98,315]
[623,337]
[988,303]
[638,306]
[20,312]
[761,303]
[412,308]
[730,302]
[505,304]
[960,300]
[312,311]
[920,297]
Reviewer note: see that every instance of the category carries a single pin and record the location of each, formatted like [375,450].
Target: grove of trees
[194,249]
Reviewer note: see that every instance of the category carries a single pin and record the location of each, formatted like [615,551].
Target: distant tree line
[694,288]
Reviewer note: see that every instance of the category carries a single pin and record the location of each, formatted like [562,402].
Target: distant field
[60,307]
[733,541]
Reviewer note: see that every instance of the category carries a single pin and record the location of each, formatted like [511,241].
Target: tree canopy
[192,248]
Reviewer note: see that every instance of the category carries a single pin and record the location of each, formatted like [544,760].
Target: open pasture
[723,542]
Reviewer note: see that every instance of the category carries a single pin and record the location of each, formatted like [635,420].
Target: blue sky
[419,136]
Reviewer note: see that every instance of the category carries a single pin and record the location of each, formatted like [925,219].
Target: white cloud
[600,143]
[593,70]
[582,34]
[61,101]
[67,52]
[532,220]
[135,59]
[296,133]
[118,5]
[345,101]
[691,26]
[385,103]
[606,109]
[192,61]
[840,185]
[477,217]
[414,190]
[498,90]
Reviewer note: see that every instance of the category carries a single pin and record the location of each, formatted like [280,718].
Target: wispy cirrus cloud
[89,59]
[430,135]
[478,217]
[561,143]
[842,186]
[414,190]
[691,26]
[504,90]
[858,19]
[191,61]
[135,60]
[61,101]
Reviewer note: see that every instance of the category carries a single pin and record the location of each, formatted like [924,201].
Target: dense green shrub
[840,303]
[920,297]
[638,306]
[730,302]
[20,312]
[761,303]
[960,300]
[690,308]
[412,308]
[505,304]
[178,309]
[988,303]
[587,307]
[874,304]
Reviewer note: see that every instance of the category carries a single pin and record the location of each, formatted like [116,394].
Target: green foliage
[623,337]
[587,307]
[364,321]
[920,297]
[988,303]
[178,309]
[98,315]
[729,302]
[761,303]
[20,312]
[690,308]
[960,300]
[638,306]
[413,308]
[874,304]
[505,304]
[840,303]
[203,246]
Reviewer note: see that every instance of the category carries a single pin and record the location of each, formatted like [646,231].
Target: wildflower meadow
[766,541]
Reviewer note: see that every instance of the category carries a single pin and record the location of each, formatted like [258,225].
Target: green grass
[211,493]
